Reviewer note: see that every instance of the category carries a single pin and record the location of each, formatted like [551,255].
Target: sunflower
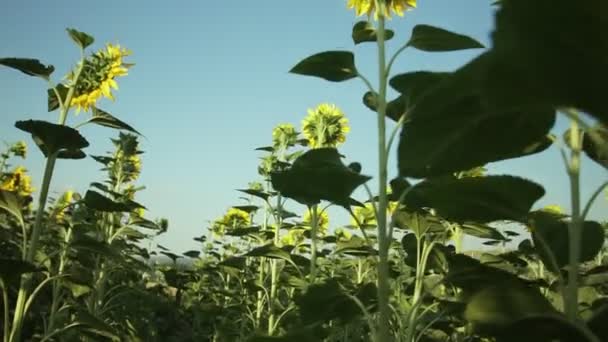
[62,203]
[19,149]
[367,217]
[325,126]
[343,234]
[322,221]
[236,218]
[293,238]
[97,77]
[367,7]
[18,181]
[284,135]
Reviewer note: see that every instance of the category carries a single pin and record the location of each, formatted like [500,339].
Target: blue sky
[211,81]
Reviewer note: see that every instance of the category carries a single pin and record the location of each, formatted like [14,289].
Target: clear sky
[211,81]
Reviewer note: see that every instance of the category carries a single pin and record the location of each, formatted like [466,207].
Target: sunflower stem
[383,332]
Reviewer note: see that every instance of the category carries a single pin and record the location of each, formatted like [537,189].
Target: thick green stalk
[575,226]
[383,334]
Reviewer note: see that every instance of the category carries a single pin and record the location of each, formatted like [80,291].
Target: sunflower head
[293,237]
[18,181]
[236,218]
[325,126]
[322,221]
[97,77]
[365,215]
[343,234]
[127,160]
[284,136]
[368,7]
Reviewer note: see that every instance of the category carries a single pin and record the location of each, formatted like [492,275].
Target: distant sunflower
[62,203]
[236,218]
[322,221]
[18,181]
[367,7]
[19,149]
[284,135]
[293,237]
[97,77]
[325,126]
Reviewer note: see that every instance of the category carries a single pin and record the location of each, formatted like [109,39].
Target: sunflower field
[277,265]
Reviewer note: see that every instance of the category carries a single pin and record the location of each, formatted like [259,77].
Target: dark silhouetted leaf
[335,66]
[394,109]
[364,31]
[542,328]
[97,201]
[317,175]
[29,66]
[53,101]
[103,118]
[257,193]
[478,199]
[429,38]
[451,129]
[80,38]
[52,138]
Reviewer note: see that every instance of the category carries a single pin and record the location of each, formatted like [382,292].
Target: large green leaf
[597,322]
[364,31]
[87,244]
[29,66]
[478,199]
[52,138]
[549,51]
[450,128]
[550,231]
[355,246]
[326,301]
[430,38]
[103,118]
[257,193]
[413,85]
[335,66]
[97,201]
[80,38]
[482,231]
[11,202]
[317,175]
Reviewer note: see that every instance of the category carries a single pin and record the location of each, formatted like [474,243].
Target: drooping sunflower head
[97,77]
[284,136]
[126,163]
[325,126]
[322,221]
[18,181]
[365,216]
[368,7]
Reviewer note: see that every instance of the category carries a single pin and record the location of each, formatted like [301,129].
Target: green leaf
[103,118]
[482,231]
[478,199]
[364,31]
[96,325]
[552,231]
[71,154]
[543,328]
[11,202]
[97,201]
[597,322]
[29,66]
[538,59]
[326,301]
[80,38]
[12,269]
[430,38]
[89,245]
[269,251]
[53,101]
[451,128]
[413,85]
[356,246]
[334,66]
[413,220]
[394,109]
[242,231]
[257,193]
[52,138]
[317,175]
[192,254]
